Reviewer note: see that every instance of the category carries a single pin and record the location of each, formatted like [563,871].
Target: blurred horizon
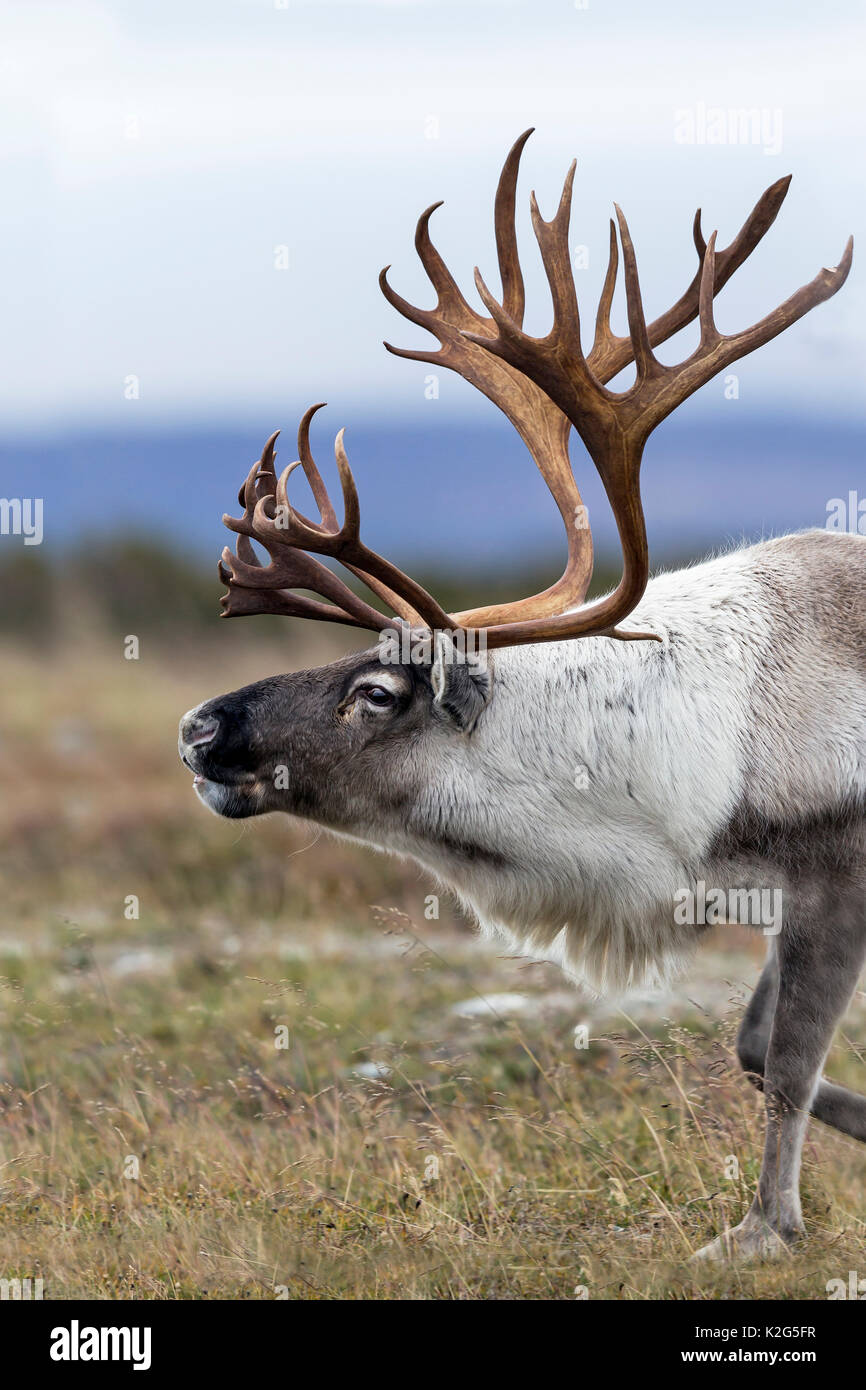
[446,491]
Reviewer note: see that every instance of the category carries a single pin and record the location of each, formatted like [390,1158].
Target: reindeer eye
[377,695]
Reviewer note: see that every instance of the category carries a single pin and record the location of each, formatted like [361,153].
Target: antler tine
[755,227]
[313,476]
[256,483]
[247,496]
[448,293]
[266,462]
[504,206]
[706,317]
[552,238]
[646,363]
[449,299]
[604,335]
[351,505]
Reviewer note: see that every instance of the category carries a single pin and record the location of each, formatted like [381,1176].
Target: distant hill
[436,490]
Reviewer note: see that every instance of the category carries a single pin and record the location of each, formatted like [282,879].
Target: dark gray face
[340,744]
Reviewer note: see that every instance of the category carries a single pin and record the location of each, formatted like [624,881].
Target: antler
[544,386]
[542,425]
[615,426]
[288,536]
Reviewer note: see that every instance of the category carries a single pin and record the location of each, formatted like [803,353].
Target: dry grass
[471,1157]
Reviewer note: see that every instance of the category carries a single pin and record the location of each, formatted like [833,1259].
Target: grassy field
[238,1060]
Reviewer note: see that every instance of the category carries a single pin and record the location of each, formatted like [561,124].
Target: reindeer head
[331,743]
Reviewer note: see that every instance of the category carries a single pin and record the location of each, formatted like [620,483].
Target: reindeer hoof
[753,1239]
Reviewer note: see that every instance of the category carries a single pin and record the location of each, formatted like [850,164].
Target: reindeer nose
[216,736]
[196,729]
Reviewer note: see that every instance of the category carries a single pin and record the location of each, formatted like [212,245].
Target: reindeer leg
[753,1039]
[841,1109]
[833,1105]
[817,971]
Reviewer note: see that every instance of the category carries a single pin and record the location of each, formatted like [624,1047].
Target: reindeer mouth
[229,795]
[218,776]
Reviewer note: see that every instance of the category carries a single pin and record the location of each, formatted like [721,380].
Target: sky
[163,160]
[198,196]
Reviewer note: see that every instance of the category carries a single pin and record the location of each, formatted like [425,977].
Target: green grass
[155,1143]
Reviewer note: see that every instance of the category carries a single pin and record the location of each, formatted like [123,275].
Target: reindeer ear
[462,684]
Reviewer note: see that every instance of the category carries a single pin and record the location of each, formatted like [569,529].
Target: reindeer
[722,739]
